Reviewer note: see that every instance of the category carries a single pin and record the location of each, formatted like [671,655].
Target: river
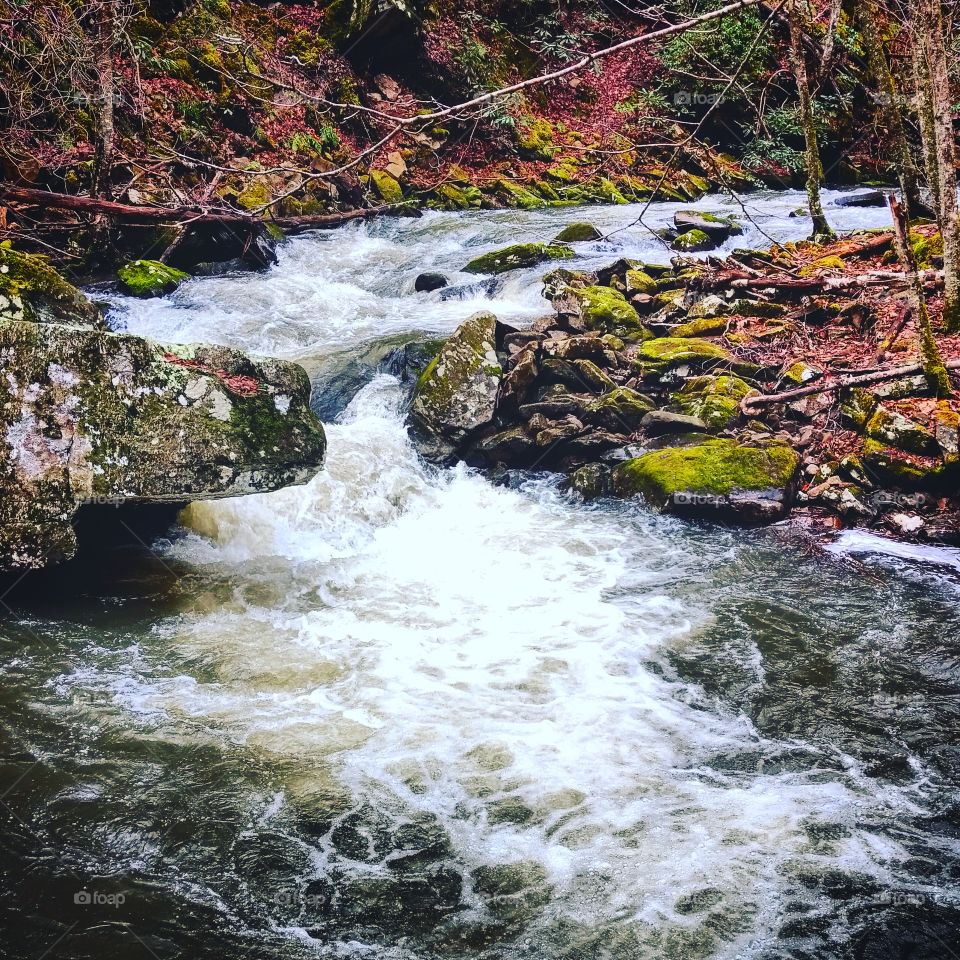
[401,712]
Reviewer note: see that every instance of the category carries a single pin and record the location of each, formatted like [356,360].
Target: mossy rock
[701,327]
[757,308]
[715,400]
[801,373]
[639,281]
[254,195]
[387,187]
[516,195]
[535,139]
[149,278]
[606,309]
[858,407]
[673,351]
[895,430]
[620,410]
[719,479]
[563,173]
[581,232]
[31,290]
[889,466]
[819,265]
[517,257]
[457,393]
[451,196]
[692,241]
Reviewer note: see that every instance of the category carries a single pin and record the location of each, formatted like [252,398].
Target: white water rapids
[418,642]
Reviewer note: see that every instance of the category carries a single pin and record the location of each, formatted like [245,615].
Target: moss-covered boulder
[387,187]
[607,310]
[693,241]
[31,290]
[701,327]
[518,257]
[578,233]
[893,429]
[91,417]
[673,351]
[516,195]
[715,400]
[639,281]
[621,410]
[716,479]
[457,394]
[896,468]
[149,278]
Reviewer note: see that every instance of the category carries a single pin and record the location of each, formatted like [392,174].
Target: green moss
[676,350]
[518,196]
[702,327]
[387,187]
[255,195]
[30,289]
[535,139]
[517,257]
[578,233]
[639,281]
[714,468]
[451,196]
[606,309]
[820,264]
[692,241]
[564,173]
[149,278]
[757,308]
[801,373]
[895,430]
[715,400]
[889,466]
[620,410]
[857,408]
[925,248]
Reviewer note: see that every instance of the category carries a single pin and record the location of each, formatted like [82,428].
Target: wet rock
[717,228]
[693,241]
[149,278]
[557,405]
[426,282]
[578,233]
[517,382]
[517,257]
[456,395]
[607,310]
[578,374]
[716,479]
[96,417]
[895,430]
[591,481]
[621,410]
[872,198]
[31,290]
[658,422]
[514,447]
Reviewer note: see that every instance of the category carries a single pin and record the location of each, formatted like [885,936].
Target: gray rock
[430,281]
[715,227]
[658,422]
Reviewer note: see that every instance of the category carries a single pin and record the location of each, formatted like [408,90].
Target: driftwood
[749,403]
[186,214]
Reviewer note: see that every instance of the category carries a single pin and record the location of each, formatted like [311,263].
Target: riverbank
[771,383]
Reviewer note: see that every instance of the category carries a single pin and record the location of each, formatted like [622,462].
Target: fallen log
[750,402]
[820,284]
[185,214]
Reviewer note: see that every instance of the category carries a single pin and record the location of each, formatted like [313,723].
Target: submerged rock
[457,394]
[517,257]
[716,479]
[426,282]
[94,417]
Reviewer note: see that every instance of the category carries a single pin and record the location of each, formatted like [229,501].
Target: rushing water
[400,712]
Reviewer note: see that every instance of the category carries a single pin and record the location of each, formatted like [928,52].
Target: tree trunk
[104,100]
[930,24]
[891,110]
[924,107]
[814,168]
[933,366]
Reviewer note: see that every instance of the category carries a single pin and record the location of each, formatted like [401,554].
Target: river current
[401,712]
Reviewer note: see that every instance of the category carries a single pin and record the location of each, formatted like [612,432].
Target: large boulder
[715,479]
[94,417]
[30,289]
[457,394]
